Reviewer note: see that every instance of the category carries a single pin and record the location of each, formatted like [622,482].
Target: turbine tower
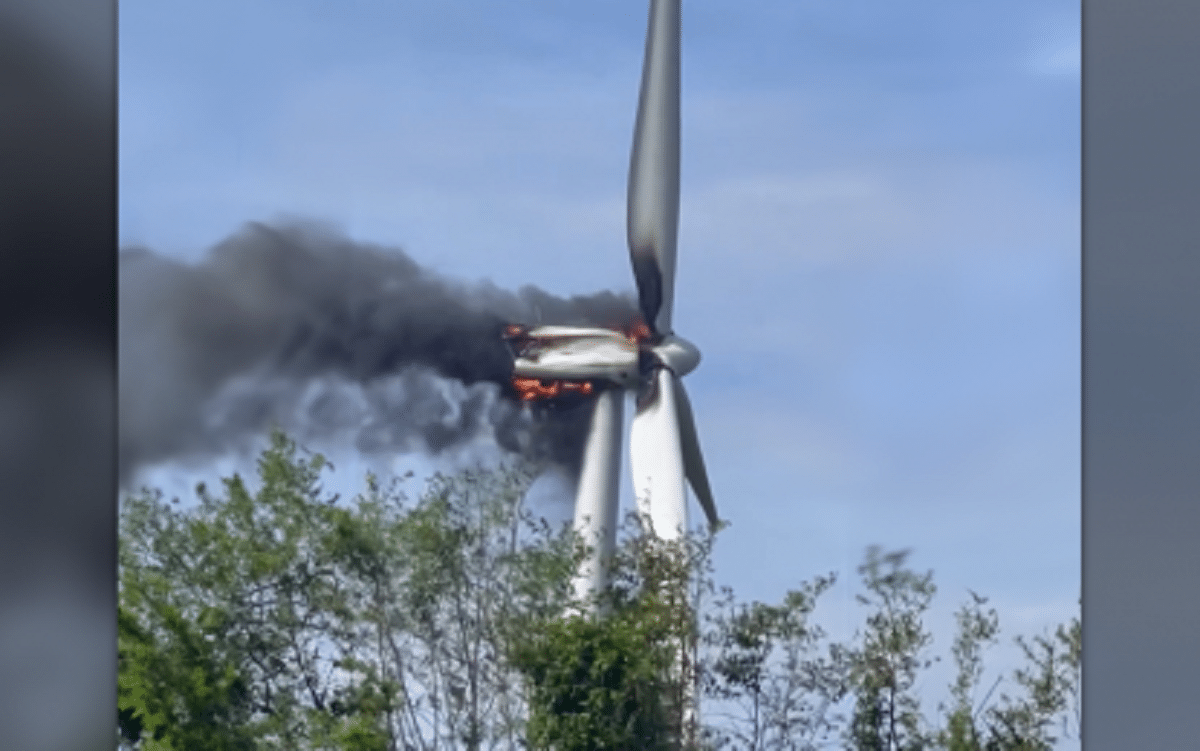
[649,362]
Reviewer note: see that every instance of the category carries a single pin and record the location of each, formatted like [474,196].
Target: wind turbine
[650,361]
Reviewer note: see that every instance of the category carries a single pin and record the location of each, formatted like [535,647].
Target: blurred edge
[1141,324]
[57,374]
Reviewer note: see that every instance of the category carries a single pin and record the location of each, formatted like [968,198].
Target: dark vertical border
[57,373]
[1141,389]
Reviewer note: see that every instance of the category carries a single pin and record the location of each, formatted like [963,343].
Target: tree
[440,589]
[284,619]
[624,680]
[775,681]
[1050,686]
[178,692]
[241,588]
[773,671]
[891,652]
[976,630]
[598,683]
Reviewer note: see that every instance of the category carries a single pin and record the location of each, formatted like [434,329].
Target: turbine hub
[676,354]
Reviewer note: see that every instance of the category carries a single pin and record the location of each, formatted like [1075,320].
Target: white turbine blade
[693,459]
[597,494]
[653,199]
[656,458]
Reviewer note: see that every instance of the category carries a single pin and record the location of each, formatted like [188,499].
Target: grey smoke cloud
[298,326]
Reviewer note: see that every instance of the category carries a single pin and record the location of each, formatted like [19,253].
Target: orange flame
[638,331]
[537,388]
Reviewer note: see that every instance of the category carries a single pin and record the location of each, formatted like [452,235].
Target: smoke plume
[299,327]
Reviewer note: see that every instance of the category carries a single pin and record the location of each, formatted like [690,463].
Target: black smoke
[299,327]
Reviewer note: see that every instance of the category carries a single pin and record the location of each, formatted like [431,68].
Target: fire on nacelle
[572,354]
[549,361]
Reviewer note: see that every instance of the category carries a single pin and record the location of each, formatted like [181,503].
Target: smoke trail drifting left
[301,327]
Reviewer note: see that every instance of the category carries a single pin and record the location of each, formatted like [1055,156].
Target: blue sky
[879,238]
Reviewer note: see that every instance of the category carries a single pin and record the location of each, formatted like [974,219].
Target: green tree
[440,588]
[285,619]
[1049,684]
[976,630]
[771,672]
[175,690]
[625,680]
[597,683]
[243,586]
[890,654]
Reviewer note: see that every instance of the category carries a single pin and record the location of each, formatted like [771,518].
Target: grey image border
[1141,405]
[58,259]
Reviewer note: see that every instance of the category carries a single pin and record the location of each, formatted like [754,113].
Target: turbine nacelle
[576,353]
[571,353]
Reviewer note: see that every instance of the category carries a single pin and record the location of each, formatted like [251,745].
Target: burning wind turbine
[649,359]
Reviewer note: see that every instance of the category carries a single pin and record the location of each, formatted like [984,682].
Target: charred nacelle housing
[573,353]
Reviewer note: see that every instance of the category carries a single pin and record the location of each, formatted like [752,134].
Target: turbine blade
[693,459]
[596,496]
[656,458]
[653,198]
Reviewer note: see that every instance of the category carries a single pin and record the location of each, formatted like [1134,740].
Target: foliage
[282,619]
[625,680]
[255,576]
[1050,685]
[890,655]
[182,694]
[773,671]
[597,683]
[285,618]
[977,629]
[441,589]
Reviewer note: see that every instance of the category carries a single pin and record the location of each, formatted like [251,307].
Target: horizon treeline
[289,618]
